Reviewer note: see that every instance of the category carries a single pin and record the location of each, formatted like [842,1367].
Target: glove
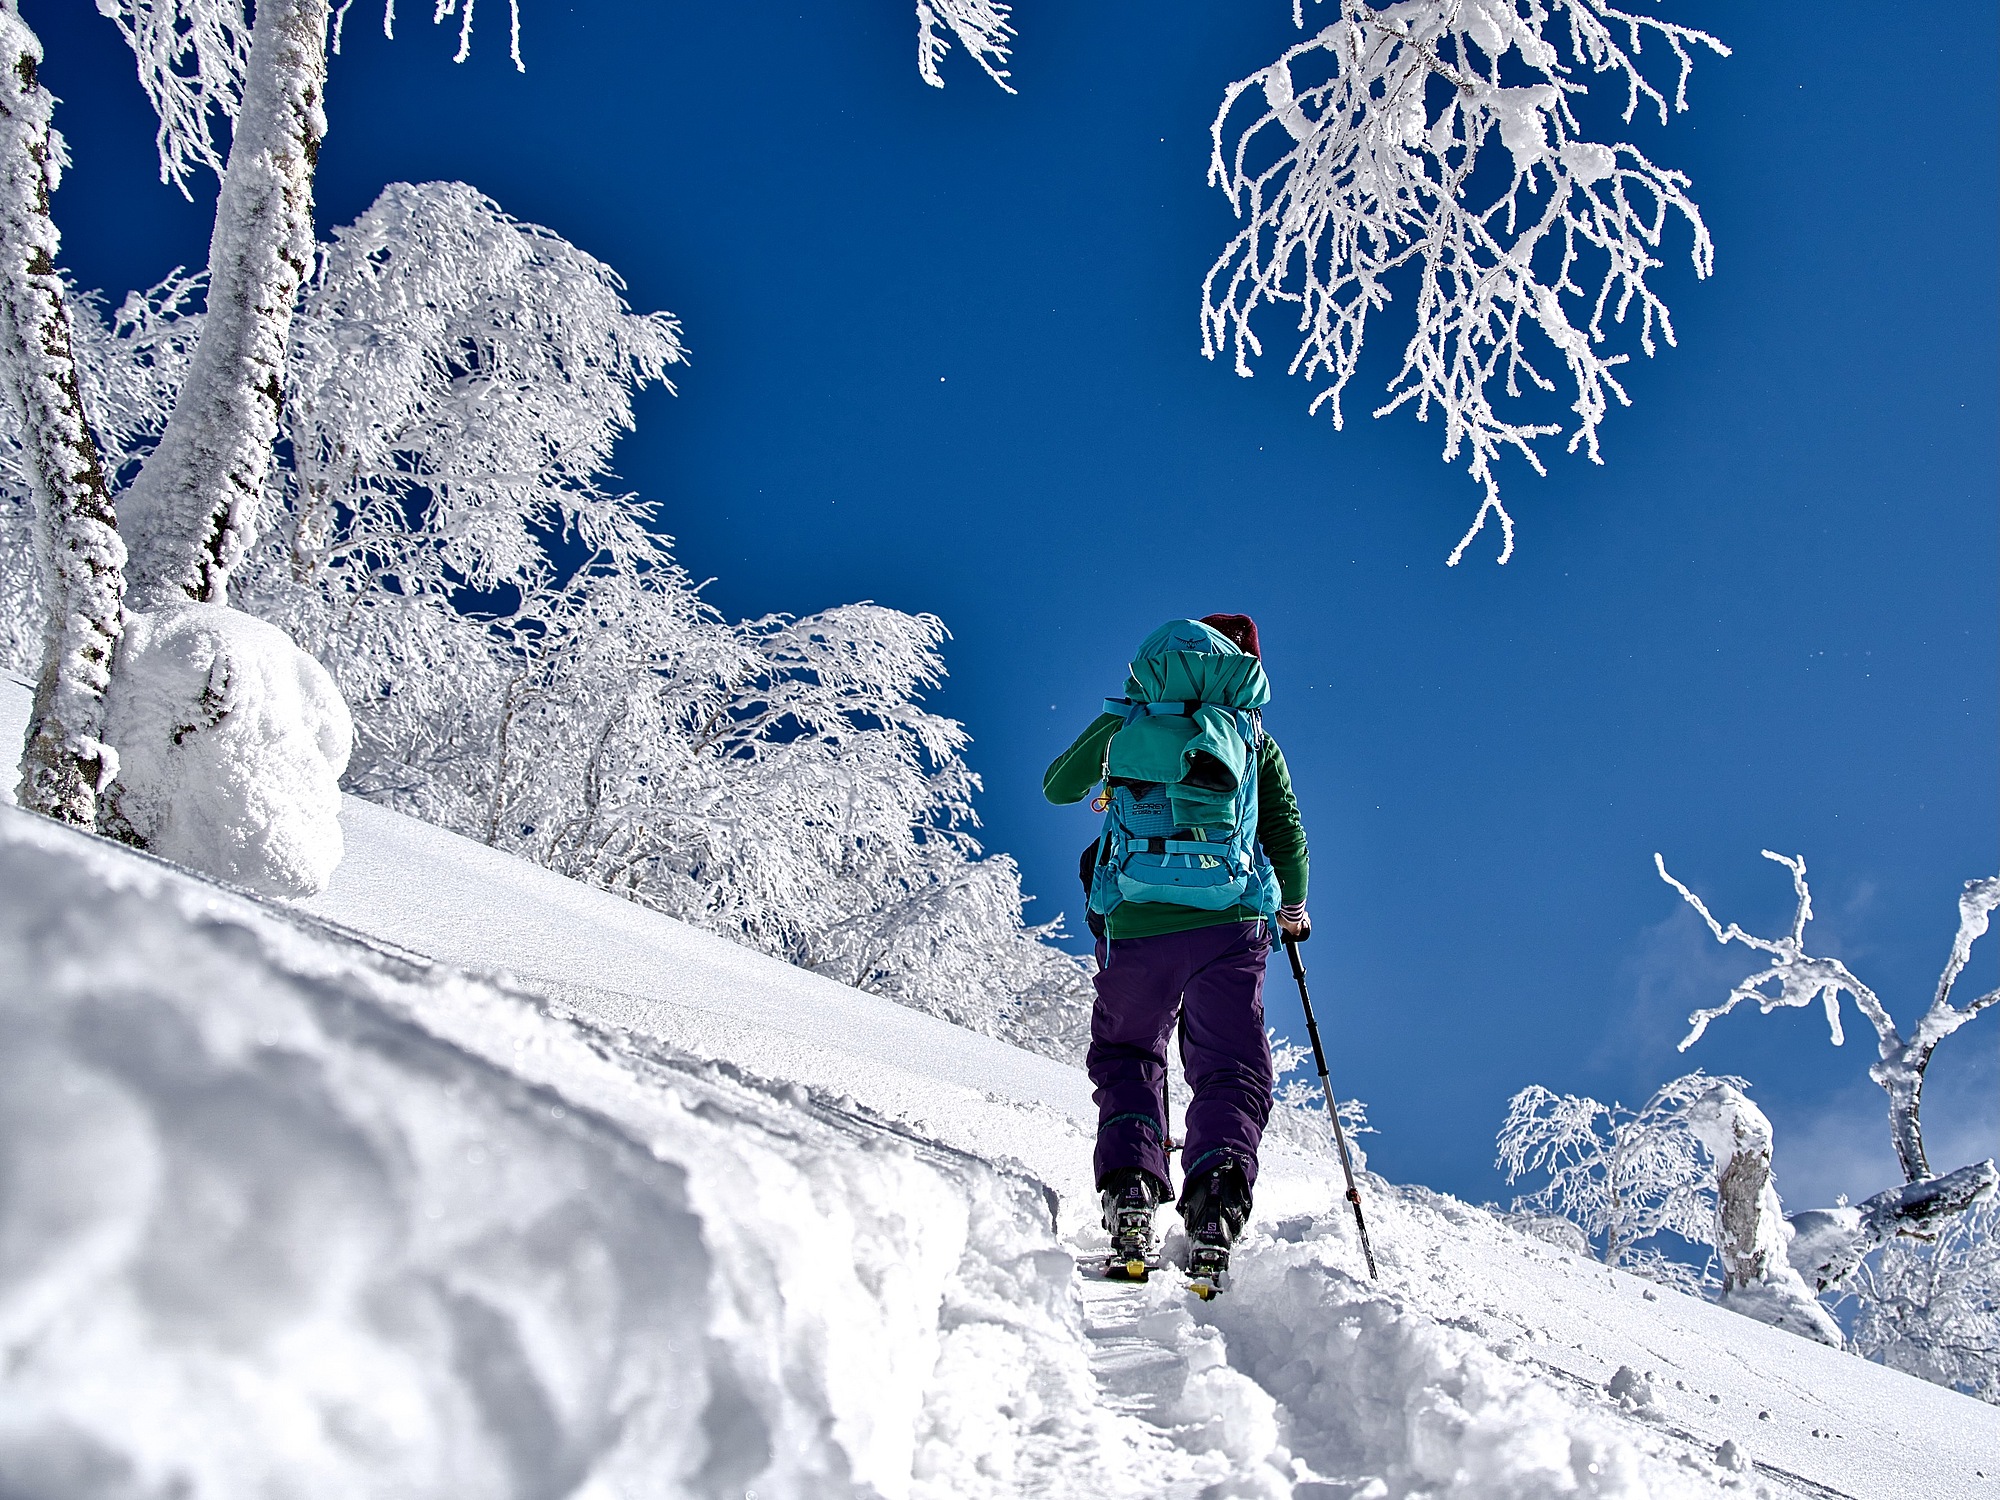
[1294,923]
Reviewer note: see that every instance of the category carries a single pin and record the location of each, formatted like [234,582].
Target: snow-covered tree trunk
[1751,1234]
[190,515]
[81,558]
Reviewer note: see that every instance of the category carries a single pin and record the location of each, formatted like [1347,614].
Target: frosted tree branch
[1801,979]
[193,56]
[194,60]
[1359,161]
[982,27]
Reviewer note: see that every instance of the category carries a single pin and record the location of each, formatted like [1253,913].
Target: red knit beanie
[1239,628]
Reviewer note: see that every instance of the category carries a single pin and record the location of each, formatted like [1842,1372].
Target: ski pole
[1339,1135]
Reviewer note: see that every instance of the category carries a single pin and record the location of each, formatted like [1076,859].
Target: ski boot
[1130,1195]
[1214,1207]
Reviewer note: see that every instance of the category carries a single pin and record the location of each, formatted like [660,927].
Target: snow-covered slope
[293,1203]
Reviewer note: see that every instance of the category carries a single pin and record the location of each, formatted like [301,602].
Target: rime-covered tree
[526,660]
[529,665]
[78,559]
[1800,979]
[128,367]
[1622,1176]
[1751,1237]
[1830,1247]
[1433,149]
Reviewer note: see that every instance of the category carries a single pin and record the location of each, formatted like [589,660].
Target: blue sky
[945,356]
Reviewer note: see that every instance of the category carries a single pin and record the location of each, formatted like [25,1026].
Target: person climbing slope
[1202,851]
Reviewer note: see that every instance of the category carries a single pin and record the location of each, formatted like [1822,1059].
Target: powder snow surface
[291,1203]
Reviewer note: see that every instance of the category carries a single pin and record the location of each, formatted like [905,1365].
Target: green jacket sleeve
[1278,827]
[1072,774]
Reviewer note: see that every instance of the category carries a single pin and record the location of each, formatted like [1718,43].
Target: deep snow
[465,1180]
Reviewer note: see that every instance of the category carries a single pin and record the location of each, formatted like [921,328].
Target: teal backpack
[1180,778]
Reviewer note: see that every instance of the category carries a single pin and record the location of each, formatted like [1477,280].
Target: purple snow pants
[1214,978]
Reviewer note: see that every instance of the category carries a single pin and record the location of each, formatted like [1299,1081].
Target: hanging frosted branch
[1361,158]
[453,8]
[1801,979]
[982,28]
[193,58]
[79,555]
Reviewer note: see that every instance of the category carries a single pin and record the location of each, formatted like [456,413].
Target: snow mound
[1376,1386]
[231,742]
[285,1216]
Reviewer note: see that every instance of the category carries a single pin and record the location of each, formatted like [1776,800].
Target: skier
[1202,850]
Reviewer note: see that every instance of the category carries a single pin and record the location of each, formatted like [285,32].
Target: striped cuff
[1293,912]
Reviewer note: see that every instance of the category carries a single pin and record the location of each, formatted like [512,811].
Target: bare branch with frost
[1802,979]
[194,60]
[983,28]
[193,56]
[1360,158]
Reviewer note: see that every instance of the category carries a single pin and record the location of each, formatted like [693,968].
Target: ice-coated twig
[1801,979]
[1361,162]
[81,560]
[982,27]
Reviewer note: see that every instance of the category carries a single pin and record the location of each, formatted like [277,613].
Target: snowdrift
[467,1181]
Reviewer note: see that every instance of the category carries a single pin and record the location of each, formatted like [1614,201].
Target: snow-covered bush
[1432,149]
[1932,1308]
[1623,1177]
[230,742]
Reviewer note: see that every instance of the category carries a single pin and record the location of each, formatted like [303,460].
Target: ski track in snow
[292,1204]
